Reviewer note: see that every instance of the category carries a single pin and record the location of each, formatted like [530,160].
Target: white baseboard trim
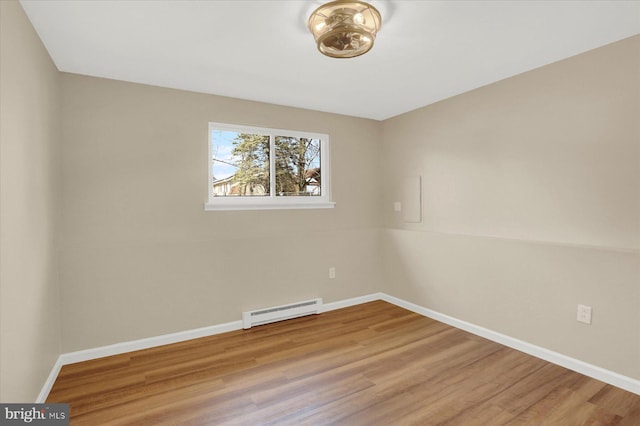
[133,345]
[150,342]
[332,306]
[598,373]
[48,384]
[607,376]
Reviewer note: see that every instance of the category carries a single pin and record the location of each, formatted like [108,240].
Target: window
[259,168]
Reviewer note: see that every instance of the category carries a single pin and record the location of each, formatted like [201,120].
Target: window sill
[226,206]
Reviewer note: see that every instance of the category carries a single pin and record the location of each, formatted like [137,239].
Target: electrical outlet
[332,272]
[397,206]
[584,314]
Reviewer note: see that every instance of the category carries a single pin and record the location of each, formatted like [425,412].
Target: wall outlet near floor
[332,272]
[584,314]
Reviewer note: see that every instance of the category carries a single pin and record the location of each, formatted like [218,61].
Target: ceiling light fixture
[345,28]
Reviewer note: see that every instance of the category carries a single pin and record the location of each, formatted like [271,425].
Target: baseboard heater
[280,313]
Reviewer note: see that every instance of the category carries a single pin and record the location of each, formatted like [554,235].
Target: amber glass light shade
[345,28]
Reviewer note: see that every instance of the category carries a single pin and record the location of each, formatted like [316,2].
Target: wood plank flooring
[371,364]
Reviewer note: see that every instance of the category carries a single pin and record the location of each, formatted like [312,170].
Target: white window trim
[272,202]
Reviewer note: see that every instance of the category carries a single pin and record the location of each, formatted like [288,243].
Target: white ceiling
[261,50]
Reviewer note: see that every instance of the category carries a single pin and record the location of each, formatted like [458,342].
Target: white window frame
[272,202]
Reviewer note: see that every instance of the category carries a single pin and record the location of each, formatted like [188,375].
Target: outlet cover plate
[332,272]
[584,314]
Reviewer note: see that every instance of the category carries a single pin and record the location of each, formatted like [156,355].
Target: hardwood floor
[371,364]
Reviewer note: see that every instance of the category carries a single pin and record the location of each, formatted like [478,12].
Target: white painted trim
[150,342]
[607,376]
[133,345]
[351,302]
[270,205]
[598,373]
[48,384]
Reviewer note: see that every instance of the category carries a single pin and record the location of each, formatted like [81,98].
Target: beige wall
[139,256]
[29,139]
[531,205]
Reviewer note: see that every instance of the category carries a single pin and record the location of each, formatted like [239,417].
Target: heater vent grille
[280,313]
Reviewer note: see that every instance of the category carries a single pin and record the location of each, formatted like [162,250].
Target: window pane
[297,166]
[240,164]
